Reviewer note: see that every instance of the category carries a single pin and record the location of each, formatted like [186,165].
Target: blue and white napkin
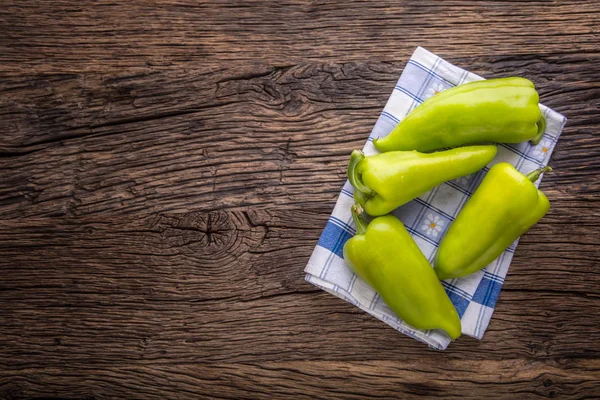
[428,216]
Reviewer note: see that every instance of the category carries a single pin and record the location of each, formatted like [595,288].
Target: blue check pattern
[428,216]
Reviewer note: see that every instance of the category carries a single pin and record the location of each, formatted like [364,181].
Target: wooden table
[166,168]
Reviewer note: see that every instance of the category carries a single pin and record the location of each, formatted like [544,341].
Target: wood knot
[206,233]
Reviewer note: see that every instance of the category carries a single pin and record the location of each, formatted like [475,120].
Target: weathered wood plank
[314,380]
[105,35]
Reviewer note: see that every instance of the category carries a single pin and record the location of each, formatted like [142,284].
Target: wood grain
[105,35]
[166,169]
[319,380]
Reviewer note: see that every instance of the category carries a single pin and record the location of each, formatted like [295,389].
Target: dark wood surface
[166,168]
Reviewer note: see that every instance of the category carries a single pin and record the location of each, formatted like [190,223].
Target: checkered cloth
[428,216]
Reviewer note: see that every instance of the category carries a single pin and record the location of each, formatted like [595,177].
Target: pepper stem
[354,177]
[359,221]
[541,125]
[535,175]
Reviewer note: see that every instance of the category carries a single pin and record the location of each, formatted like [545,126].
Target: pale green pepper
[385,256]
[386,181]
[504,206]
[503,110]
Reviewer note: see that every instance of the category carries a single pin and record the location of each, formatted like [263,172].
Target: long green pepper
[504,110]
[383,182]
[504,206]
[385,256]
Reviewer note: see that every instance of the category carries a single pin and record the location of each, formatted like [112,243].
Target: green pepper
[504,206]
[386,257]
[502,110]
[386,181]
